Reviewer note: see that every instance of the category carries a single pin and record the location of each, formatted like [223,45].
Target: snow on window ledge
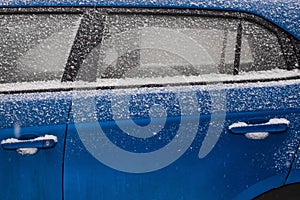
[206,78]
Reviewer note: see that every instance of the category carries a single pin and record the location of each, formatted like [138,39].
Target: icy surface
[27,151]
[207,78]
[257,135]
[33,109]
[279,121]
[35,85]
[285,13]
[238,124]
[35,47]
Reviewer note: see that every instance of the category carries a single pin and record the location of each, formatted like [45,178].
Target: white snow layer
[279,121]
[207,78]
[238,124]
[27,151]
[15,140]
[257,135]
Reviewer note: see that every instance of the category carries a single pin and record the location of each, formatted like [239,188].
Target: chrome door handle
[276,125]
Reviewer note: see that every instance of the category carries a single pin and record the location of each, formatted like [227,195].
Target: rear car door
[180,105]
[33,106]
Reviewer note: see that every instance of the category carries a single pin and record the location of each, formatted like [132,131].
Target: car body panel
[36,176]
[206,161]
[284,13]
[295,170]
[234,167]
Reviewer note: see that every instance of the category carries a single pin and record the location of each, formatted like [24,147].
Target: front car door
[180,105]
[34,109]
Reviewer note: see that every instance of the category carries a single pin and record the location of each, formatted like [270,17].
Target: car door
[33,104]
[180,105]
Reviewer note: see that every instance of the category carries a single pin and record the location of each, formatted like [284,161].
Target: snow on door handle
[29,146]
[260,131]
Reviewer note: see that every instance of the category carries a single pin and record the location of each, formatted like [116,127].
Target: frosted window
[35,47]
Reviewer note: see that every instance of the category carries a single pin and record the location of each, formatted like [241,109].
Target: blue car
[158,99]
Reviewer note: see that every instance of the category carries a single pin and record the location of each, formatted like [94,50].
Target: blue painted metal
[236,168]
[284,13]
[26,116]
[294,176]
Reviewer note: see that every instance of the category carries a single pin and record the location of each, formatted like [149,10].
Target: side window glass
[260,49]
[158,47]
[35,47]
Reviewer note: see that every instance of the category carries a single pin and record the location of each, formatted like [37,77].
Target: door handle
[42,142]
[276,125]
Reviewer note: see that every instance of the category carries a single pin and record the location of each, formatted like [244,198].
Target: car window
[137,49]
[260,49]
[149,46]
[156,47]
[35,47]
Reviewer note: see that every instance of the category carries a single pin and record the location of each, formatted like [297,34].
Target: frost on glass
[35,47]
[260,49]
[137,46]
[152,46]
